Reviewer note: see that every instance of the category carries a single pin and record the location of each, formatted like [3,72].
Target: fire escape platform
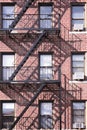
[30,82]
[20,31]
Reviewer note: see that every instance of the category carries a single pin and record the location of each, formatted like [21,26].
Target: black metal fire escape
[27,4]
[42,85]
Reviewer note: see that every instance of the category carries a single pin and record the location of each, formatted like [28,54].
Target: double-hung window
[78,17]
[46,69]
[7,114]
[78,66]
[78,115]
[7,65]
[46,121]
[46,16]
[7,15]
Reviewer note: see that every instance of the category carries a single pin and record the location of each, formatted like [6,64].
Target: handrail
[28,105]
[27,21]
[72,89]
[70,38]
[27,72]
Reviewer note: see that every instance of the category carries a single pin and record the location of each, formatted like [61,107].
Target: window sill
[78,32]
[74,81]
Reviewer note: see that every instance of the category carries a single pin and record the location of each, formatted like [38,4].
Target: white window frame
[78,66]
[46,66]
[8,61]
[78,19]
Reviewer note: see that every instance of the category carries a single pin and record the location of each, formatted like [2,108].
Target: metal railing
[31,21]
[30,73]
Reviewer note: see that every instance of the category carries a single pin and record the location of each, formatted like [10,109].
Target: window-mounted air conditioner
[78,27]
[78,125]
[78,76]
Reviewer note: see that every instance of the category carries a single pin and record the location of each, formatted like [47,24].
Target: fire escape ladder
[27,55]
[28,105]
[21,13]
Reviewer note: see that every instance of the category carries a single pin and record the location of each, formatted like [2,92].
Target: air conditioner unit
[78,125]
[78,27]
[78,76]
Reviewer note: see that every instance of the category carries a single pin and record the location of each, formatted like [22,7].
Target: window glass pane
[46,108]
[8,109]
[78,12]
[46,73]
[7,72]
[45,60]
[78,112]
[6,23]
[78,57]
[78,64]
[78,119]
[46,122]
[77,22]
[78,70]
[45,23]
[45,9]
[8,10]
[8,60]
[78,105]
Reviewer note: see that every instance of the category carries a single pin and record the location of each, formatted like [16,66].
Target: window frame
[77,5]
[6,53]
[46,53]
[72,111]
[72,73]
[7,19]
[47,5]
[1,111]
[45,101]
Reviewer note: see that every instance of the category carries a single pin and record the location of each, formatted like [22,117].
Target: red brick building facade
[43,69]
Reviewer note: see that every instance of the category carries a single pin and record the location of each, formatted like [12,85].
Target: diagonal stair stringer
[27,55]
[21,13]
[28,105]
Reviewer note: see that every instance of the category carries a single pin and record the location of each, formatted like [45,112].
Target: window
[78,17]
[7,15]
[46,16]
[7,113]
[46,69]
[46,115]
[78,66]
[78,115]
[8,65]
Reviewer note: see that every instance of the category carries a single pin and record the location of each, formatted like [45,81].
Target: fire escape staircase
[27,4]
[28,105]
[35,44]
[27,55]
[64,94]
